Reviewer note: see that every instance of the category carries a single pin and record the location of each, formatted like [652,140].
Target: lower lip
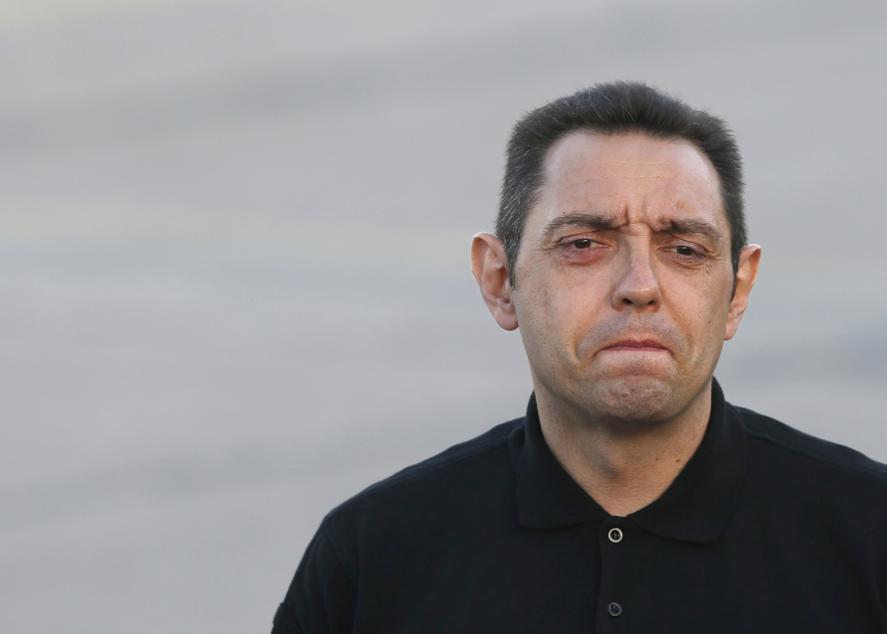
[634,349]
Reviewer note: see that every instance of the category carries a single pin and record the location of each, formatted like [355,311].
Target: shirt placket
[613,602]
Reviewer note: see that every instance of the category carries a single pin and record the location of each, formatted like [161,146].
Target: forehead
[633,177]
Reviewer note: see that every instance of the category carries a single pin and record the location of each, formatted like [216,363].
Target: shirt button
[614,609]
[614,535]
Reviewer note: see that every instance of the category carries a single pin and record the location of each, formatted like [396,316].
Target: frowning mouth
[638,345]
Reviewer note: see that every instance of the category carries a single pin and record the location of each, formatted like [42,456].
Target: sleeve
[321,597]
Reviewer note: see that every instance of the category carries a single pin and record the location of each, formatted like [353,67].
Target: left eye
[582,243]
[683,249]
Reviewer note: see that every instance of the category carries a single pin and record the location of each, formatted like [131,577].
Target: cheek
[575,313]
[702,297]
[555,315]
[703,317]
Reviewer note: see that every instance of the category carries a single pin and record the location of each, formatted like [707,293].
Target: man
[631,497]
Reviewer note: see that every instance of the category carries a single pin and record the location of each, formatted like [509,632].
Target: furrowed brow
[580,220]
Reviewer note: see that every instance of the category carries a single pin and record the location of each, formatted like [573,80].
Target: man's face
[624,279]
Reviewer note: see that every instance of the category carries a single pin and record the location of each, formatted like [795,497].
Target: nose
[637,285]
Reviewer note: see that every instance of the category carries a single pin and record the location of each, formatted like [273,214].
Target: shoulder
[787,450]
[434,486]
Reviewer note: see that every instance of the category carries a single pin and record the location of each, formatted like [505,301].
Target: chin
[632,398]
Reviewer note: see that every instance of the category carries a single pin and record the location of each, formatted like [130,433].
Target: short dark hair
[613,108]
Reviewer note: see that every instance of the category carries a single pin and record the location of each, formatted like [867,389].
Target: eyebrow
[580,220]
[603,222]
[694,226]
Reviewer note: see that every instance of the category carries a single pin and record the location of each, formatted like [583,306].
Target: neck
[623,471]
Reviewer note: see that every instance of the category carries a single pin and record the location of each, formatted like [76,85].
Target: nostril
[639,301]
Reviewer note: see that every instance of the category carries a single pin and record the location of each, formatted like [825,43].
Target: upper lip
[636,343]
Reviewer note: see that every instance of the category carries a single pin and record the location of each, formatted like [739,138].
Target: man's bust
[631,497]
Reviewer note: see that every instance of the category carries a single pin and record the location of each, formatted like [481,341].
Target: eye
[687,252]
[580,250]
[579,244]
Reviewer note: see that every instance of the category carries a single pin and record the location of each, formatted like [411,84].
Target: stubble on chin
[628,404]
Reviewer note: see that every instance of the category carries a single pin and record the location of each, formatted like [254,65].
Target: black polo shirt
[766,529]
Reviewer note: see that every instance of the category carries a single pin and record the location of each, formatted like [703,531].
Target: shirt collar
[694,508]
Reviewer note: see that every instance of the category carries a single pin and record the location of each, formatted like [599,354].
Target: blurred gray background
[235,283]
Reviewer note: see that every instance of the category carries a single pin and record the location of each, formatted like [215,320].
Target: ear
[747,271]
[490,268]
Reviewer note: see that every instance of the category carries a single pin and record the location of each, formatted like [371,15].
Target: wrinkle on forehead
[605,187]
[631,179]
[667,197]
[662,223]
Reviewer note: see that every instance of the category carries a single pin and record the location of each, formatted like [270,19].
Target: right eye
[581,250]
